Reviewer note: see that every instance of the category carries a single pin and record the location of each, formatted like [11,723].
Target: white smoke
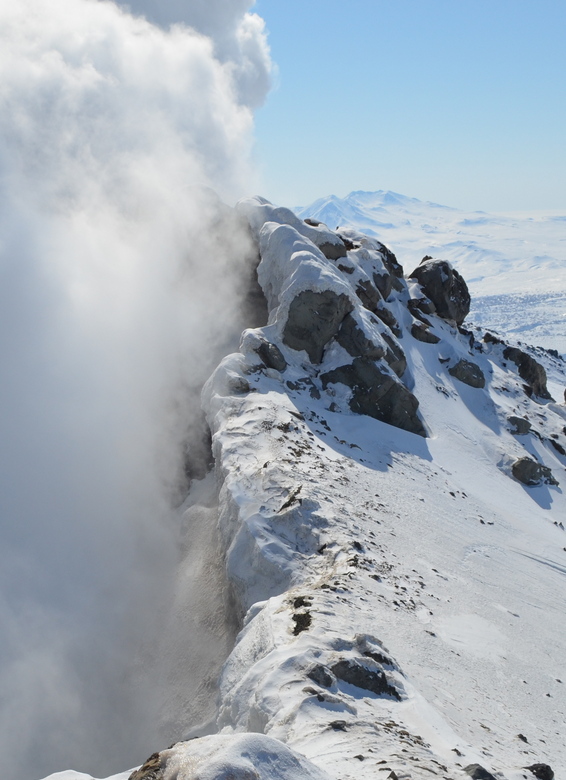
[120,283]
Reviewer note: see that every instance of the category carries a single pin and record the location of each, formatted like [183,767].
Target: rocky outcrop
[313,319]
[520,425]
[271,355]
[532,473]
[469,373]
[444,286]
[422,333]
[152,769]
[354,672]
[356,343]
[378,394]
[529,370]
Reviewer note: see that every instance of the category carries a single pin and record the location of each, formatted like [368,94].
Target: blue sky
[462,102]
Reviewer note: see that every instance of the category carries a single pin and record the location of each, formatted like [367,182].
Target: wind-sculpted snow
[398,593]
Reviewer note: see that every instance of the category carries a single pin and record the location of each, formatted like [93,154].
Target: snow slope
[514,264]
[401,595]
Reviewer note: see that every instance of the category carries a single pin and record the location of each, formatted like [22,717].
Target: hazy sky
[462,102]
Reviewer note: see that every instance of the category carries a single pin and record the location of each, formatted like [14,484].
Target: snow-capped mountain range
[514,264]
[389,499]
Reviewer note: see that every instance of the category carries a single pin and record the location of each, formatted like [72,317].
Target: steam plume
[120,283]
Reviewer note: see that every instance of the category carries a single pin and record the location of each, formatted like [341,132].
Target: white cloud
[120,283]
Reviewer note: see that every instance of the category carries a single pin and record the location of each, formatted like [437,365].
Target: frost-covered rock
[230,757]
[444,286]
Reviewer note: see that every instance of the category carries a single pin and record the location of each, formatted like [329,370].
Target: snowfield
[400,586]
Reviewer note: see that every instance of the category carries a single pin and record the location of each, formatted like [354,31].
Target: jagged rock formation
[376,539]
[445,288]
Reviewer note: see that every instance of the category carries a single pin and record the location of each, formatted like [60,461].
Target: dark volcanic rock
[529,370]
[444,286]
[530,472]
[355,342]
[368,295]
[489,338]
[420,332]
[388,318]
[353,672]
[477,772]
[469,373]
[333,251]
[271,355]
[521,426]
[321,675]
[391,263]
[313,319]
[378,394]
[541,771]
[384,283]
[395,357]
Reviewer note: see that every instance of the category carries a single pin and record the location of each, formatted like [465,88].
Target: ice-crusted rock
[530,472]
[258,211]
[235,757]
[378,393]
[467,372]
[444,286]
[530,371]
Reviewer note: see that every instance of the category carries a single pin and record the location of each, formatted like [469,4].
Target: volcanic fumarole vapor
[120,129]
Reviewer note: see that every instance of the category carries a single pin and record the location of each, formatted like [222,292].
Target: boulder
[444,286]
[531,473]
[521,426]
[378,393]
[529,370]
[420,332]
[271,355]
[469,373]
[541,771]
[477,772]
[353,672]
[355,342]
[313,319]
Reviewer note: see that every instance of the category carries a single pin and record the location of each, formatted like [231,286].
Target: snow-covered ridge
[514,264]
[399,580]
